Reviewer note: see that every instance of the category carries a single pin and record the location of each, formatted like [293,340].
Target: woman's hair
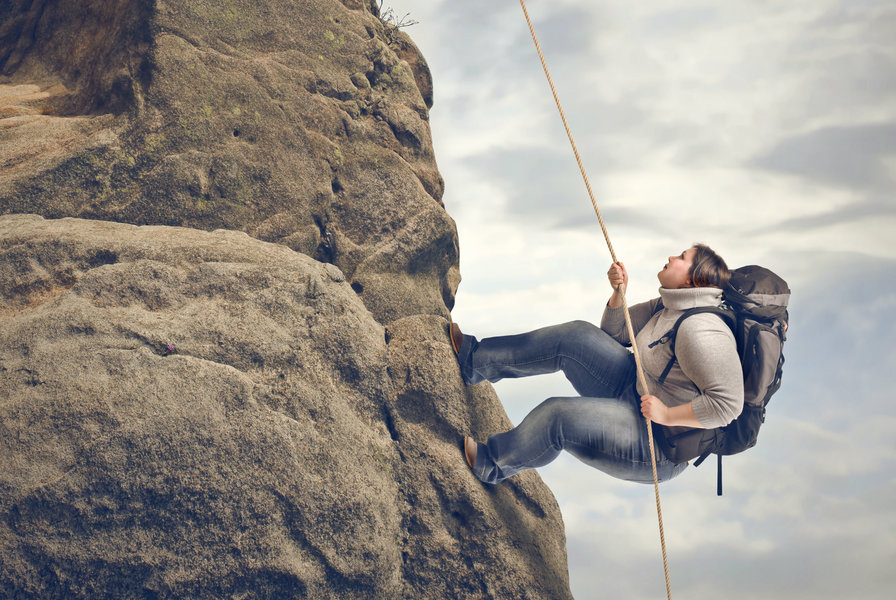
[708,269]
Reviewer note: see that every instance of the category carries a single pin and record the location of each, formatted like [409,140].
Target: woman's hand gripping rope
[653,408]
[618,277]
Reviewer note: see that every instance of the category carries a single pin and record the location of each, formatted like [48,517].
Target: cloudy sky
[765,129]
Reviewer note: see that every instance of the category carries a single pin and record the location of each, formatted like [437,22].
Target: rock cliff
[297,121]
[224,369]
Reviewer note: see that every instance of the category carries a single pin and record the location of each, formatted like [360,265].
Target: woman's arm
[613,320]
[707,355]
[675,416]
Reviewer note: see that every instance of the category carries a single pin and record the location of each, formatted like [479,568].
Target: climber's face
[676,273]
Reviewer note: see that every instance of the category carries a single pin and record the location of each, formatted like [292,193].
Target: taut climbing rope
[628,319]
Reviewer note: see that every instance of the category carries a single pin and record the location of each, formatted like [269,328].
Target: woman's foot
[457,338]
[470,448]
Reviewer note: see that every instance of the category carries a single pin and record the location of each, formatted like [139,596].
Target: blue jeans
[603,427]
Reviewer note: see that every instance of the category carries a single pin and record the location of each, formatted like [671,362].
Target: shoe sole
[452,329]
[468,443]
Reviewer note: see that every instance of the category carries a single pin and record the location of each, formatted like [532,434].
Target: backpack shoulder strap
[670,336]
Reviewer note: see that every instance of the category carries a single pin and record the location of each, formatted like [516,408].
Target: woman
[604,426]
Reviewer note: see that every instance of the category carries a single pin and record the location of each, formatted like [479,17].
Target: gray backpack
[755,308]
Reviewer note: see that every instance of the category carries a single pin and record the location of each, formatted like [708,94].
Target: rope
[628,319]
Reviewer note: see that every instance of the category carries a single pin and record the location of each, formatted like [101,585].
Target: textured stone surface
[229,376]
[202,414]
[303,122]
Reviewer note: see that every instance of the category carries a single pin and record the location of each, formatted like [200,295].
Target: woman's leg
[595,363]
[608,434]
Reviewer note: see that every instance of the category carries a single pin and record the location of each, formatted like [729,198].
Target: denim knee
[549,414]
[606,360]
[581,331]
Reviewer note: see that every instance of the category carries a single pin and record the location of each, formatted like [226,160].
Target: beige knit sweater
[707,371]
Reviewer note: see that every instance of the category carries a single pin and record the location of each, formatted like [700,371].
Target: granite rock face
[303,122]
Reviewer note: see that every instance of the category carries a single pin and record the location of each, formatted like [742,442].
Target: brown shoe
[457,338]
[470,449]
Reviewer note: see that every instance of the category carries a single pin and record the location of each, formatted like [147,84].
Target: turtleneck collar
[685,298]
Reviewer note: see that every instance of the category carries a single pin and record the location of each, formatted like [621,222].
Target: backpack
[755,307]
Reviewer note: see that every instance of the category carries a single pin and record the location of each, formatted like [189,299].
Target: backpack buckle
[662,340]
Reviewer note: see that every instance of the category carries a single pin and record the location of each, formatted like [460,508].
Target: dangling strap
[700,460]
[719,485]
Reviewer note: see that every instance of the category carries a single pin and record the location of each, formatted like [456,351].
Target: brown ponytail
[708,269]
